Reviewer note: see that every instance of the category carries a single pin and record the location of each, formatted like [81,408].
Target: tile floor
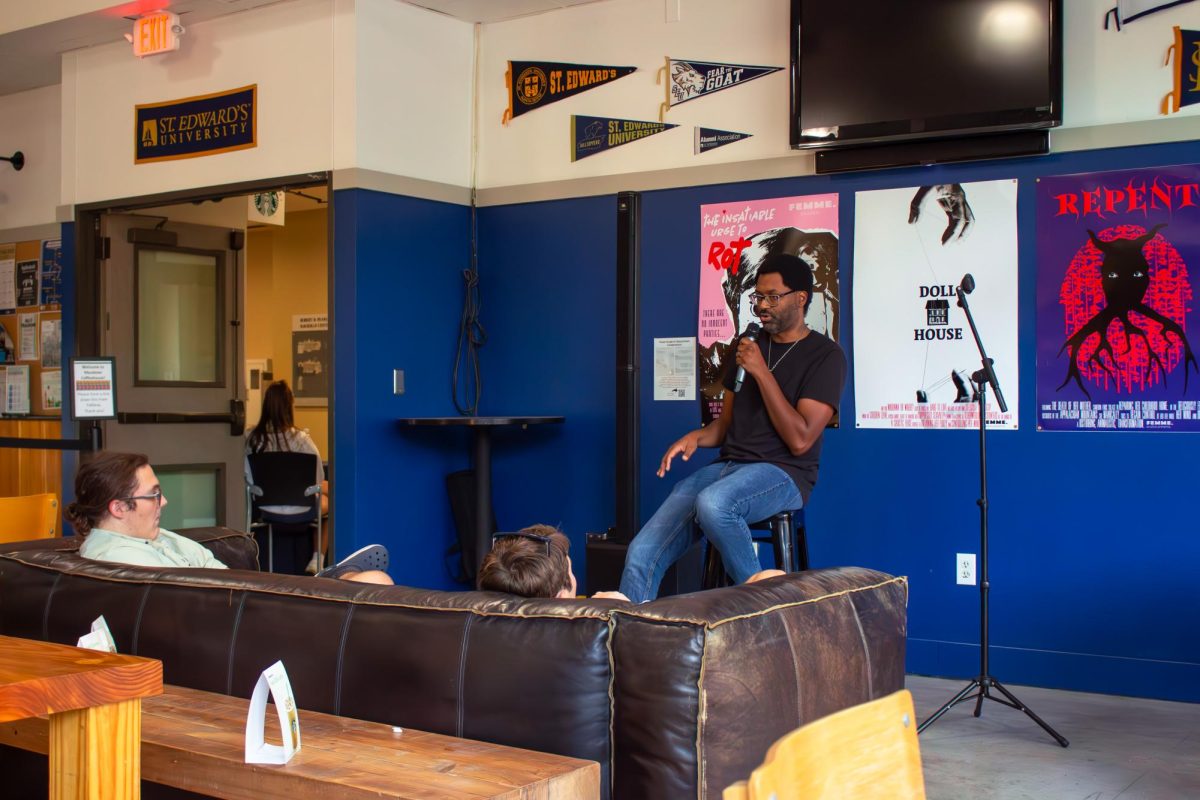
[1120,747]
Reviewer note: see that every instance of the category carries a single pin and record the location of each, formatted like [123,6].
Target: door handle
[235,419]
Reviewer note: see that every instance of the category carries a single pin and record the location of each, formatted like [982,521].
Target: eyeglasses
[157,497]
[537,537]
[769,299]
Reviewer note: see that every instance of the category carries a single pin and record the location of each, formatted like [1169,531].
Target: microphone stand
[984,682]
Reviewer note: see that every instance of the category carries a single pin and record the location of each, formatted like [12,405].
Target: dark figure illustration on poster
[1125,278]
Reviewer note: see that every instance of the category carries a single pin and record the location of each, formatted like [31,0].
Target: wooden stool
[787,537]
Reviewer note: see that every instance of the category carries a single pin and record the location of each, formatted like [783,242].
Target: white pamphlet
[675,368]
[100,637]
[275,680]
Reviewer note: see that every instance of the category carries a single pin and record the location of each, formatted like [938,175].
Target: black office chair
[284,479]
[787,536]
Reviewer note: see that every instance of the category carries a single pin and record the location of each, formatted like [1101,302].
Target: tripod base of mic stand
[984,684]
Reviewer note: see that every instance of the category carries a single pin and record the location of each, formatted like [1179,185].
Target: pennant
[591,135]
[533,84]
[687,80]
[711,138]
[1129,10]
[1186,50]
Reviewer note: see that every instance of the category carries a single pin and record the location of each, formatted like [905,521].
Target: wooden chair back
[865,752]
[33,516]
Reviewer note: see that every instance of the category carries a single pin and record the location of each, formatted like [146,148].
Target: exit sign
[156,33]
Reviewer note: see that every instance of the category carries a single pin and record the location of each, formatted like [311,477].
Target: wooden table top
[44,678]
[195,740]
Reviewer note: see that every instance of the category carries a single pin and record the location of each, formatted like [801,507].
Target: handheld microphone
[751,334]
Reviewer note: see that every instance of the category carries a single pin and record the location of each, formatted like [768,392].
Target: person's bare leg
[369,576]
[764,574]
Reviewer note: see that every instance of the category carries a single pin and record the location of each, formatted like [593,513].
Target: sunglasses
[537,537]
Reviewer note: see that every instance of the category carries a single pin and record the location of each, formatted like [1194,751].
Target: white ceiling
[30,57]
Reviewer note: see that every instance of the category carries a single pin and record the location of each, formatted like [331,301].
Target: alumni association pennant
[688,80]
[533,84]
[711,138]
[591,135]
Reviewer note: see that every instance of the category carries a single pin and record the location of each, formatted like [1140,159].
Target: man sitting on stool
[769,433]
[118,504]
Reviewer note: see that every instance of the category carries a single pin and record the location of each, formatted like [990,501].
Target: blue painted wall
[396,297]
[548,282]
[1090,546]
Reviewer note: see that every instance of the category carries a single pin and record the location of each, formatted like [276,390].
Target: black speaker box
[629,226]
[924,152]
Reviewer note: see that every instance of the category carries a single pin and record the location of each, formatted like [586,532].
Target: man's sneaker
[312,567]
[373,556]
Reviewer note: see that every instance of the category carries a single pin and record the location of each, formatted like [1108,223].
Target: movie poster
[914,355]
[1115,311]
[735,237]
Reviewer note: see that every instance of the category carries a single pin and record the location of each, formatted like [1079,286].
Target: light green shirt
[165,550]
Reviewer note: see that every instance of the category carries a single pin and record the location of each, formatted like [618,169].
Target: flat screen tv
[873,71]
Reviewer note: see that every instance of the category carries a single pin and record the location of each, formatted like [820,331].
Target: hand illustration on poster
[914,353]
[735,238]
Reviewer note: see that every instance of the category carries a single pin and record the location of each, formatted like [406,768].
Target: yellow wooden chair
[33,516]
[865,752]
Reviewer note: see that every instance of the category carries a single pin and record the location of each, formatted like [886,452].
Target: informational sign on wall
[1115,291]
[913,349]
[310,359]
[93,388]
[735,237]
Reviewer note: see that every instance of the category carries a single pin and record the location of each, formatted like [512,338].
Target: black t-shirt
[815,368]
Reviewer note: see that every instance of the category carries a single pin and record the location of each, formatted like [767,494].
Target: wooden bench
[195,740]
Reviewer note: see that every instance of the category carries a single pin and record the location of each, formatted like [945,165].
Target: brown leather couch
[675,699]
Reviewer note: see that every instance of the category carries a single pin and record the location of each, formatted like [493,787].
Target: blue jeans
[723,498]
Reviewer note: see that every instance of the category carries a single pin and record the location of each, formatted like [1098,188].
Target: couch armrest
[235,549]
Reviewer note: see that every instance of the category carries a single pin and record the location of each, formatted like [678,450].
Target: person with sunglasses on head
[533,562]
[117,509]
[772,420]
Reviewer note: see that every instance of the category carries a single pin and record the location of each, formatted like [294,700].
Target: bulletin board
[31,381]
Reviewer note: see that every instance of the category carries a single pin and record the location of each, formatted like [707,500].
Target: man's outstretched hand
[684,447]
[953,200]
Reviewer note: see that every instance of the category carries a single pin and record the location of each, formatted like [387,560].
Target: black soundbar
[933,151]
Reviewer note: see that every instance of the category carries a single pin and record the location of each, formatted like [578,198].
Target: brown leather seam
[762,612]
[612,703]
[862,635]
[586,615]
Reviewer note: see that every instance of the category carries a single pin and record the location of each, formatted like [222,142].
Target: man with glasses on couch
[117,508]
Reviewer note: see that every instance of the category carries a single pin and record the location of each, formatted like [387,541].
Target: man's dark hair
[793,270]
[526,566]
[107,477]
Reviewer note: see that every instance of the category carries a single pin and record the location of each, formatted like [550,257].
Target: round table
[481,462]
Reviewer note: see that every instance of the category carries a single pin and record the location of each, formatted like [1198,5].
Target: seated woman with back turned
[276,431]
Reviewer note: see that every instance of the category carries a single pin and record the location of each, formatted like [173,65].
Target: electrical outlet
[964,569]
[397,381]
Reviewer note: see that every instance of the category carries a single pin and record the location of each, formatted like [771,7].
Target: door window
[178,311]
[194,495]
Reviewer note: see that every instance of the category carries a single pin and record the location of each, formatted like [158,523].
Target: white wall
[286,49]
[536,146]
[1113,77]
[29,122]
[1109,77]
[415,77]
